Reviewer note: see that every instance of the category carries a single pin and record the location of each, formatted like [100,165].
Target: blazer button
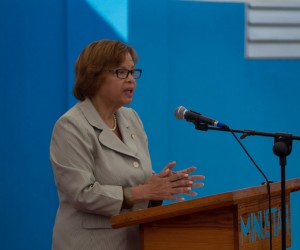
[136,164]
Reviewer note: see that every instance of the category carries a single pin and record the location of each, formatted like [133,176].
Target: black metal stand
[282,148]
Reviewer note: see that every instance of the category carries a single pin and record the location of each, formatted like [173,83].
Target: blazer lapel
[106,136]
[128,135]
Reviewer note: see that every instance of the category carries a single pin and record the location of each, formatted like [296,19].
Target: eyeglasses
[124,73]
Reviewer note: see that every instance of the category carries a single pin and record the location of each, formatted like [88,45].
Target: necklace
[115,120]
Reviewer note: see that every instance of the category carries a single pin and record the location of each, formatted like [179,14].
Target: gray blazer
[90,166]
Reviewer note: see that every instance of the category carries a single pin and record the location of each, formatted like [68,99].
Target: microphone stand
[282,148]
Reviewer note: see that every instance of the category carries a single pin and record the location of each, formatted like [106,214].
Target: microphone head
[179,113]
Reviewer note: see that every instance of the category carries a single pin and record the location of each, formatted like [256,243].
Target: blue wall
[33,95]
[192,54]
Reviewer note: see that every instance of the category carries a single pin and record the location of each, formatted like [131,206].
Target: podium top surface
[202,204]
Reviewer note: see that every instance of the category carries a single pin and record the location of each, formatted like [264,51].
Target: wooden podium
[237,220]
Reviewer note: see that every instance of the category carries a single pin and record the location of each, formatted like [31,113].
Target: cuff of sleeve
[127,198]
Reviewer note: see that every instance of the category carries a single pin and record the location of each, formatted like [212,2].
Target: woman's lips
[129,92]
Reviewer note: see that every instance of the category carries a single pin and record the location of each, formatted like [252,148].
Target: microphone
[181,113]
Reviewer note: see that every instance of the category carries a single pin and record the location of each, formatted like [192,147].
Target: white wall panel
[272,30]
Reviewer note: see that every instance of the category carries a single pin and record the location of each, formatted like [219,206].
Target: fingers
[167,170]
[192,193]
[196,177]
[186,183]
[181,190]
[176,197]
[178,176]
[188,170]
[165,173]
[181,183]
[171,165]
[198,184]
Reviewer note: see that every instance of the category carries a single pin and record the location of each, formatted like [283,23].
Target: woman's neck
[106,112]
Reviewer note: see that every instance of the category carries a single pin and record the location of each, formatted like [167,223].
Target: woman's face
[114,91]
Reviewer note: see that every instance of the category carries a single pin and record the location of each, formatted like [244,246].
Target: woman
[99,155]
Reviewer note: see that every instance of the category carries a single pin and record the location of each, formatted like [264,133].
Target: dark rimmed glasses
[124,73]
